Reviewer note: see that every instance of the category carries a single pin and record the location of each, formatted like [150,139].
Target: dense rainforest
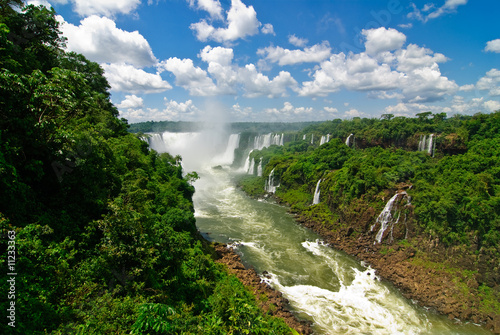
[97,231]
[437,180]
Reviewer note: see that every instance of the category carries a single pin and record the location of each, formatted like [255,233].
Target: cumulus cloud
[213,7]
[241,22]
[190,77]
[382,39]
[256,84]
[385,70]
[429,11]
[314,54]
[298,42]
[288,111]
[268,29]
[490,82]
[131,101]
[104,7]
[493,46]
[178,110]
[222,77]
[101,41]
[492,105]
[357,72]
[126,78]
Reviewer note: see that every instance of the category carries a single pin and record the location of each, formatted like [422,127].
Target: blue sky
[289,60]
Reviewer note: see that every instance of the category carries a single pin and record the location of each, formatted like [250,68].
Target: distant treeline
[237,127]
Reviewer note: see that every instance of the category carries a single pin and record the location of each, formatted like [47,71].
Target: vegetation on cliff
[99,230]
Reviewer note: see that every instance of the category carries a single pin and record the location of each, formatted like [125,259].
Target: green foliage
[106,240]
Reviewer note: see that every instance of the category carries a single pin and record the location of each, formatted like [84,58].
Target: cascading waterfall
[312,139]
[426,144]
[386,217]
[316,194]
[349,139]
[304,138]
[260,142]
[259,169]
[270,183]
[251,168]
[325,139]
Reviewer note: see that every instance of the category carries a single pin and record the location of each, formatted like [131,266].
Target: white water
[426,144]
[316,194]
[348,140]
[270,183]
[334,291]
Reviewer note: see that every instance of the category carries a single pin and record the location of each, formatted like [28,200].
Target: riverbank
[269,300]
[417,267]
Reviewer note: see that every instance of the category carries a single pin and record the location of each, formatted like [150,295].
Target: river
[336,292]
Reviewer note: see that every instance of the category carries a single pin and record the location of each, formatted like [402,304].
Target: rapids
[333,290]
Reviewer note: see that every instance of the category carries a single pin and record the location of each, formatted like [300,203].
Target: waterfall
[227,157]
[386,217]
[427,144]
[260,142]
[312,139]
[251,169]
[259,169]
[304,138]
[348,140]
[316,194]
[270,187]
[323,140]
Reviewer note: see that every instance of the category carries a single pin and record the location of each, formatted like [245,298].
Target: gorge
[336,292]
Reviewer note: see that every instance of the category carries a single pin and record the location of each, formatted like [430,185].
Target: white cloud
[386,70]
[298,42]
[178,110]
[190,77]
[256,84]
[241,22]
[450,6]
[415,57]
[213,7]
[467,88]
[316,53]
[220,67]
[490,82]
[288,111]
[104,7]
[241,112]
[101,41]
[353,113]
[492,105]
[382,39]
[357,72]
[126,78]
[493,46]
[331,110]
[410,109]
[268,29]
[131,101]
